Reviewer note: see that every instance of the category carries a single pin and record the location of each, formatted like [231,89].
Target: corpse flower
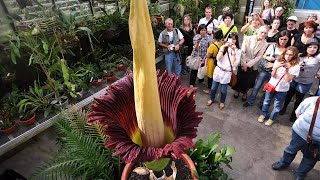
[146,116]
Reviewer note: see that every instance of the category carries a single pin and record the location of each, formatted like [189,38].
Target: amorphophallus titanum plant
[146,116]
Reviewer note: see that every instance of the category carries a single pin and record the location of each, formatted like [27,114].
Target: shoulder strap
[229,61]
[280,80]
[216,47]
[209,22]
[274,49]
[314,117]
[226,35]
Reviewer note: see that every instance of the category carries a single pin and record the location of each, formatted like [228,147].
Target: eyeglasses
[233,34]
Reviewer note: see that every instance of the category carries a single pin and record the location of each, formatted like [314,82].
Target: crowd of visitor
[275,56]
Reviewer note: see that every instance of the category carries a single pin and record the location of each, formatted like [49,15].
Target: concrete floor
[257,146]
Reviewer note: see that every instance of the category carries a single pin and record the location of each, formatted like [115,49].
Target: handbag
[193,62]
[262,63]
[313,148]
[233,80]
[202,69]
[270,88]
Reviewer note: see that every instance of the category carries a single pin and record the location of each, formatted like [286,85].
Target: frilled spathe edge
[116,112]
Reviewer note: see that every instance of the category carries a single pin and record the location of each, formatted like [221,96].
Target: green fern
[83,155]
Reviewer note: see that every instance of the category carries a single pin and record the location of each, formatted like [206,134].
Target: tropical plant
[287,5]
[36,99]
[6,114]
[146,118]
[208,158]
[82,155]
[12,99]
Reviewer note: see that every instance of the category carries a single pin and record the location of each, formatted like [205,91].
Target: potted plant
[156,14]
[7,125]
[60,102]
[121,63]
[108,70]
[153,124]
[27,118]
[35,99]
[208,158]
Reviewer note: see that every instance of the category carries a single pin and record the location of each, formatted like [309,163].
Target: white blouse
[224,76]
[283,85]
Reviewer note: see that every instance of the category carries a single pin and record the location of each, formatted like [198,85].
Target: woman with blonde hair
[188,32]
[283,71]
[266,12]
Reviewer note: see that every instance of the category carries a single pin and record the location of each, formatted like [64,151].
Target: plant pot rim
[10,129]
[24,120]
[193,170]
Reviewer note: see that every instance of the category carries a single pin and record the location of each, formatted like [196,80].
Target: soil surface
[183,172]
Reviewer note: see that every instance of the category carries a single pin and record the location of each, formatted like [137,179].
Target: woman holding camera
[201,43]
[283,71]
[309,66]
[265,65]
[228,55]
[211,56]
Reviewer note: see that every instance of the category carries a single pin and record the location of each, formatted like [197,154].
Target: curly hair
[295,58]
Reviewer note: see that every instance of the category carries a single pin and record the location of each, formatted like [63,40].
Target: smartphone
[229,40]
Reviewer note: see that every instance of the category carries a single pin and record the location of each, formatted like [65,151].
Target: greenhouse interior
[71,106]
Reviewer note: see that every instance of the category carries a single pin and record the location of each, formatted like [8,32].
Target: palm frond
[84,155]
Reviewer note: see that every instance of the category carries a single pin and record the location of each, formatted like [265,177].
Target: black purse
[312,150]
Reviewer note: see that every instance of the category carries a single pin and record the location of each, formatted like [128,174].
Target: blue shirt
[302,124]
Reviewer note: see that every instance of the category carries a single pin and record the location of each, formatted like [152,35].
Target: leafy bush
[207,158]
[83,155]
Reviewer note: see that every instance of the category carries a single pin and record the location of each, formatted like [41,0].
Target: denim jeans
[297,144]
[171,60]
[278,102]
[223,90]
[301,88]
[262,77]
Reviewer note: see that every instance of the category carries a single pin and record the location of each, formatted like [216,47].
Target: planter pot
[128,168]
[110,78]
[97,82]
[10,129]
[30,121]
[158,18]
[121,67]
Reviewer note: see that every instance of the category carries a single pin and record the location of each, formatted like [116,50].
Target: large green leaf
[13,57]
[230,150]
[213,139]
[158,165]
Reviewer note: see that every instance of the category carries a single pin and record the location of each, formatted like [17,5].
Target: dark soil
[183,172]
